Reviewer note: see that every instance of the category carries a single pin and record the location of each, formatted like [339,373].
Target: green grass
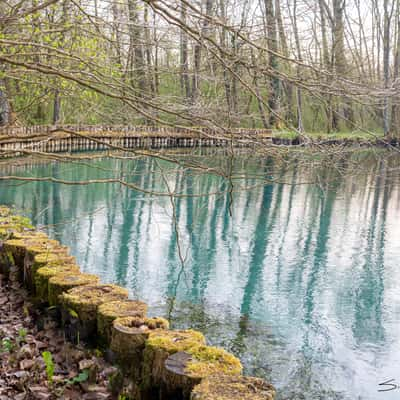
[345,135]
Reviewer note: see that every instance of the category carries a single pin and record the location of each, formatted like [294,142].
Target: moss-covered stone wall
[154,362]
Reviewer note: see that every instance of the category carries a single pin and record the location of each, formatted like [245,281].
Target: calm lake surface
[300,277]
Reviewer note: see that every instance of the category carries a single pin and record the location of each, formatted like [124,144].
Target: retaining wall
[69,138]
[153,361]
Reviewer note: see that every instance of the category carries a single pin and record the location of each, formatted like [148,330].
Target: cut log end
[129,335]
[110,311]
[160,345]
[43,275]
[63,282]
[85,300]
[184,370]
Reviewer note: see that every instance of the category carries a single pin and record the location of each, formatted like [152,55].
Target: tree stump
[34,247]
[62,282]
[159,346]
[108,312]
[28,234]
[228,387]
[185,370]
[79,308]
[44,259]
[43,275]
[13,255]
[4,211]
[129,335]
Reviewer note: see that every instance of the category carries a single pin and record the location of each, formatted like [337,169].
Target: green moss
[62,282]
[209,360]
[19,222]
[85,301]
[29,235]
[4,211]
[228,387]
[160,345]
[15,250]
[174,341]
[43,275]
[36,246]
[57,258]
[108,312]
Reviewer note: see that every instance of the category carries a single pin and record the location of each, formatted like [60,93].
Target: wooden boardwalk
[69,138]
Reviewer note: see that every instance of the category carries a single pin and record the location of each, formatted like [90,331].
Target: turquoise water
[299,277]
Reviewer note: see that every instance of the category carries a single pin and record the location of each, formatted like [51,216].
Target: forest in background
[291,65]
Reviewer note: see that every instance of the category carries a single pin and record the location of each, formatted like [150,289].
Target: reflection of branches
[182,258]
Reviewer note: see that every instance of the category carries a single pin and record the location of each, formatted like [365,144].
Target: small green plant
[82,377]
[98,353]
[7,346]
[48,360]
[22,334]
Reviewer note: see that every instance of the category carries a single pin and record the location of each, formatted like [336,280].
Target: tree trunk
[197,52]
[386,60]
[150,71]
[395,129]
[137,73]
[326,65]
[4,106]
[287,86]
[339,56]
[223,41]
[274,83]
[185,84]
[56,107]
[300,126]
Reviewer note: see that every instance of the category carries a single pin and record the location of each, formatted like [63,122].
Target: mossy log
[58,257]
[185,370]
[37,246]
[159,346]
[62,282]
[43,275]
[12,257]
[108,312]
[228,387]
[28,234]
[20,223]
[9,230]
[18,254]
[129,335]
[5,211]
[79,308]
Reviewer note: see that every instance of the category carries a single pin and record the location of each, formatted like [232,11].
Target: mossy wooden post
[79,308]
[5,211]
[64,281]
[57,257]
[108,312]
[228,387]
[12,227]
[13,251]
[129,335]
[159,346]
[43,275]
[184,370]
[35,247]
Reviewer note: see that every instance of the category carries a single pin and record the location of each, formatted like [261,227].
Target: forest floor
[37,363]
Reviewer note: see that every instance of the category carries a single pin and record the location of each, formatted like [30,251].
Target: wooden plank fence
[69,138]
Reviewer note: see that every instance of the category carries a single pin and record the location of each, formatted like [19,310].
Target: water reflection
[301,281]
